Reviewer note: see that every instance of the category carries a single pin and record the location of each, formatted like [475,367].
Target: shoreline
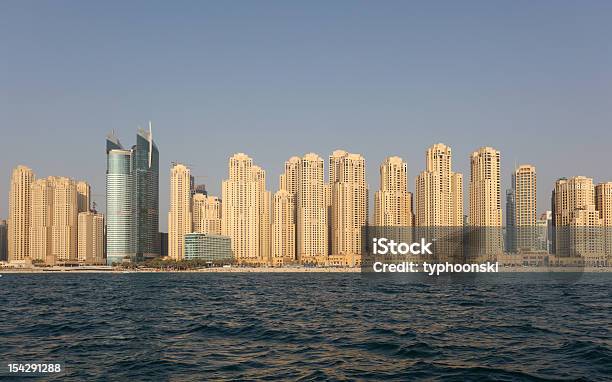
[100,270]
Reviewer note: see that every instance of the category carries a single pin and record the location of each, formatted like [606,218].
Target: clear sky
[276,78]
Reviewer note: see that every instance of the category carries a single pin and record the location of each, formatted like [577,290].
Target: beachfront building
[245,215]
[91,238]
[216,249]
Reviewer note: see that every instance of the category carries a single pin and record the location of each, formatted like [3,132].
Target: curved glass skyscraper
[146,173]
[132,198]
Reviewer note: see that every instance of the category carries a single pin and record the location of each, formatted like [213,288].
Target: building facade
[146,188]
[485,202]
[312,211]
[19,214]
[243,199]
[206,212]
[283,228]
[216,249]
[83,196]
[569,198]
[524,185]
[132,198]
[393,202]
[349,203]
[603,204]
[65,221]
[3,240]
[120,203]
[439,191]
[90,238]
[179,216]
[41,219]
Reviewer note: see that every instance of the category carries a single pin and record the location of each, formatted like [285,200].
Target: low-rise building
[214,248]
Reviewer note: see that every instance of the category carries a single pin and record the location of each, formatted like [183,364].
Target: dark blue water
[191,327]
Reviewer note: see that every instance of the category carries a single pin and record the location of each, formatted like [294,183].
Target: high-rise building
[206,213]
[439,203]
[290,179]
[146,188]
[65,221]
[3,240]
[485,200]
[133,190]
[543,232]
[586,238]
[41,219]
[91,238]
[179,217]
[603,203]
[570,196]
[312,215]
[524,184]
[349,194]
[510,238]
[439,191]
[120,203]
[393,202]
[283,228]
[244,201]
[19,214]
[264,206]
[83,196]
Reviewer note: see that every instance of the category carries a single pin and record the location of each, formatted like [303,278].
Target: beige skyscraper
[206,212]
[19,214]
[65,220]
[586,236]
[243,202]
[525,207]
[179,217]
[91,238]
[41,219]
[485,200]
[283,228]
[264,212]
[439,191]
[439,204]
[312,232]
[83,196]
[290,179]
[393,202]
[349,204]
[603,203]
[570,196]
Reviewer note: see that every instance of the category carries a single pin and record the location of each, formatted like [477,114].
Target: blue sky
[275,79]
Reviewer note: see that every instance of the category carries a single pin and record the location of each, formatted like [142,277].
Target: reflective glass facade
[120,227]
[132,198]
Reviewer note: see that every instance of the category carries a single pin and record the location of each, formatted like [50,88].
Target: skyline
[529,80]
[273,184]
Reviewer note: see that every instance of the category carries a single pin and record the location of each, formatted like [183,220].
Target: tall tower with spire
[132,197]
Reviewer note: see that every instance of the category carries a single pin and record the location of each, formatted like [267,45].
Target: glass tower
[132,198]
[146,176]
[119,202]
